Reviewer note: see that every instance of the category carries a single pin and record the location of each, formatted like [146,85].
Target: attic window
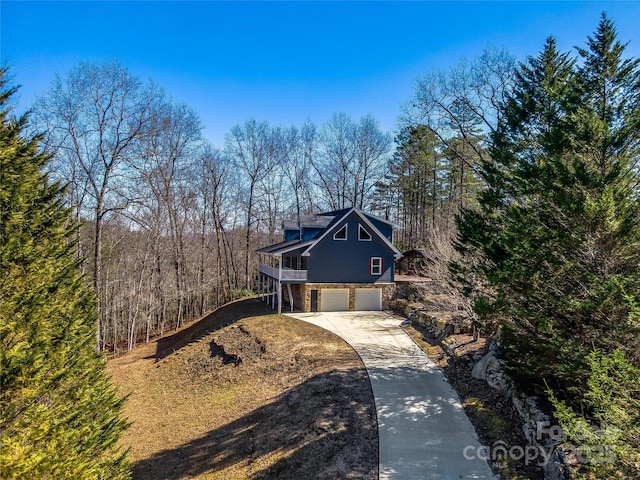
[341,234]
[363,235]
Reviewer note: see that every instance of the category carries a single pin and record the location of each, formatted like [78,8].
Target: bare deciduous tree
[254,154]
[93,118]
[462,106]
[171,144]
[301,146]
[351,160]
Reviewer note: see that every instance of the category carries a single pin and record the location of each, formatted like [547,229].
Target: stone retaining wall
[537,427]
[437,322]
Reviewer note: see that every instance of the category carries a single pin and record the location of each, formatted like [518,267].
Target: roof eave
[379,234]
[279,252]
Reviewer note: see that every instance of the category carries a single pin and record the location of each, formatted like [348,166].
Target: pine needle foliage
[556,244]
[59,413]
[556,238]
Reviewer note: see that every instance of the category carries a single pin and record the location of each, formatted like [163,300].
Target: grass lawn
[246,394]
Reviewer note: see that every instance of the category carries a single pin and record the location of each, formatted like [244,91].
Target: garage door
[334,299]
[368,299]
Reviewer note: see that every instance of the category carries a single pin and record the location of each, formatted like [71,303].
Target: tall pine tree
[556,240]
[59,414]
[415,172]
[557,234]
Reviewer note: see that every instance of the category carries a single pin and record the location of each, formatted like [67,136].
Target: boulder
[480,369]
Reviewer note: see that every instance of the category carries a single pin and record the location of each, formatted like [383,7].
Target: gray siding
[347,261]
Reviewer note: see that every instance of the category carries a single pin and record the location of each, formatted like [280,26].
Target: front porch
[276,275]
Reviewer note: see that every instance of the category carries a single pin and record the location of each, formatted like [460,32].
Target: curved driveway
[423,431]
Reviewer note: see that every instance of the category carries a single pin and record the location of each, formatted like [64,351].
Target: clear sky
[286,62]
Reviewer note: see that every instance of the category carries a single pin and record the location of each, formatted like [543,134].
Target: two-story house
[334,261]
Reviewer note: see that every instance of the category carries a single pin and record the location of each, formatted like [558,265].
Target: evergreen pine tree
[59,414]
[556,240]
[415,172]
[557,235]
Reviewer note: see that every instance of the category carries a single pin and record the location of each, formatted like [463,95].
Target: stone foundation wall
[388,291]
[297,291]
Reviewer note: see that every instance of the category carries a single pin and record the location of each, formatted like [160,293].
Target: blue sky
[286,62]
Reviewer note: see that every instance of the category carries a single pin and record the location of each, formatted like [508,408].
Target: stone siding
[297,290]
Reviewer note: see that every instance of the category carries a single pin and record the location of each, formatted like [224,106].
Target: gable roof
[342,212]
[338,220]
[325,222]
[308,221]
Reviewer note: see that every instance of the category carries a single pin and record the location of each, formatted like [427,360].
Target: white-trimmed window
[363,235]
[341,234]
[375,265]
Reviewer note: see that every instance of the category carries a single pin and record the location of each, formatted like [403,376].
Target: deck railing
[286,274]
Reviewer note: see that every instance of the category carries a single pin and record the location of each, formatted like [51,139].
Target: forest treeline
[169,223]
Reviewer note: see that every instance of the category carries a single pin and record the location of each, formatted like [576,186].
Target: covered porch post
[271,293]
[279,285]
[290,295]
[279,293]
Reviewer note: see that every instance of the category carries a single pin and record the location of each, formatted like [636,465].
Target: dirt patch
[264,397]
[493,416]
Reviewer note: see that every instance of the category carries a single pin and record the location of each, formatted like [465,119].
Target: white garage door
[368,299]
[334,299]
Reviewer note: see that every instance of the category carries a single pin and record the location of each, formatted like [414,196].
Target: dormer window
[341,234]
[363,235]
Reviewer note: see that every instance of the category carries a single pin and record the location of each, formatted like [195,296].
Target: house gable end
[386,239]
[339,222]
[330,231]
[350,260]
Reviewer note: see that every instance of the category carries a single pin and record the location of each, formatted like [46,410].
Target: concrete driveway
[424,433]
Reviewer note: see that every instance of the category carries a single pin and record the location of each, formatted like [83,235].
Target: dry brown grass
[265,396]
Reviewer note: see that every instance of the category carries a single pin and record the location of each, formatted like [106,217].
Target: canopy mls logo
[587,453]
